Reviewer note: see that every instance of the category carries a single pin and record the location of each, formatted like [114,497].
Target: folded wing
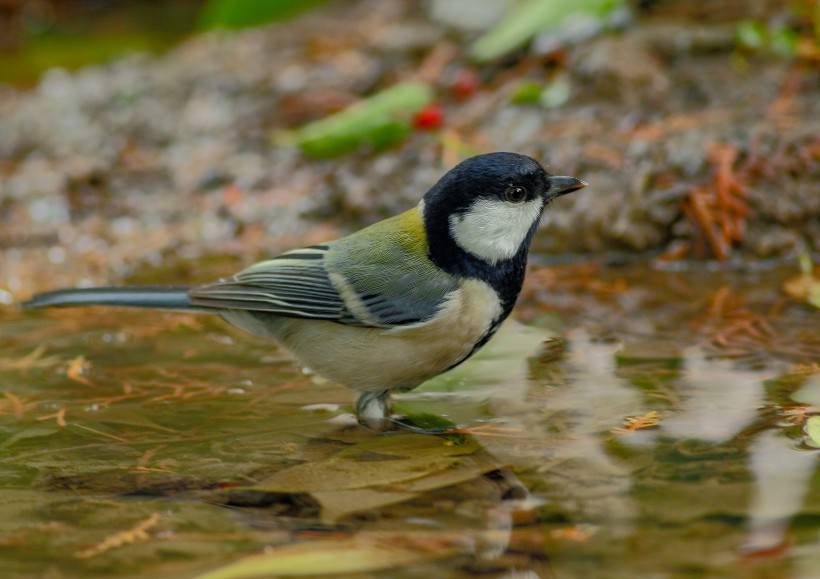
[344,281]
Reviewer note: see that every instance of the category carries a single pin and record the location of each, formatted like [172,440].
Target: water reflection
[781,481]
[496,378]
[718,399]
[592,401]
[551,484]
[568,420]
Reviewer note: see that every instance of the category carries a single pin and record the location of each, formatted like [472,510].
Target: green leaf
[555,94]
[813,431]
[378,121]
[783,41]
[244,13]
[531,17]
[756,36]
[806,266]
[329,558]
[527,93]
[751,35]
[814,294]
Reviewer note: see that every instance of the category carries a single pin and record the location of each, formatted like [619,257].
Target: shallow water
[165,445]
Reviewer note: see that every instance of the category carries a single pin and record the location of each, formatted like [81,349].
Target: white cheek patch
[493,229]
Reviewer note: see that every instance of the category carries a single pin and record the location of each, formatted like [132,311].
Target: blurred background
[658,398]
[140,132]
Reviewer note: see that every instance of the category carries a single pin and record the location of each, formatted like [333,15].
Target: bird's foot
[373,410]
[403,423]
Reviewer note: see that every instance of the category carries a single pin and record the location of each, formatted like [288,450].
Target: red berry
[430,117]
[465,84]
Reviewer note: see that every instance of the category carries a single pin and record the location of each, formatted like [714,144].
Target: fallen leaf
[527,19]
[375,462]
[813,431]
[137,534]
[633,423]
[377,121]
[806,286]
[77,368]
[337,504]
[577,534]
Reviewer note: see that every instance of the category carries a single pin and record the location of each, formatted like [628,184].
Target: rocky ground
[691,148]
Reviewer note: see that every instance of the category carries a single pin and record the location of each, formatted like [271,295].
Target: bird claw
[403,424]
[374,411]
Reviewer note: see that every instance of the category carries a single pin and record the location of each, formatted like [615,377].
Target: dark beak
[560,185]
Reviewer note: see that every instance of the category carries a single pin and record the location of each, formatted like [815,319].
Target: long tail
[175,298]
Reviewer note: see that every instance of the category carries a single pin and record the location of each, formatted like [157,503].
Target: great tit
[394,304]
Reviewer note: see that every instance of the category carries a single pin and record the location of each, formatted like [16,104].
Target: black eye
[515,194]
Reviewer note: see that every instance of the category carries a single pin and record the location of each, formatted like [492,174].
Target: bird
[386,308]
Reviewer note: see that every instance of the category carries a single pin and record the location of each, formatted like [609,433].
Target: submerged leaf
[340,503]
[337,504]
[354,555]
[410,446]
[379,471]
[340,473]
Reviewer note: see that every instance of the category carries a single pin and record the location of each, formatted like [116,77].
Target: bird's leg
[373,410]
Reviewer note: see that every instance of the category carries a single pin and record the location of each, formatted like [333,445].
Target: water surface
[631,423]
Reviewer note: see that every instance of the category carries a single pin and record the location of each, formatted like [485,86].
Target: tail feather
[175,298]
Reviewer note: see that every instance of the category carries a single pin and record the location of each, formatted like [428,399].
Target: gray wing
[295,283]
[338,283]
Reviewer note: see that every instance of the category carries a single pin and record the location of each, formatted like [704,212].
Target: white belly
[382,359]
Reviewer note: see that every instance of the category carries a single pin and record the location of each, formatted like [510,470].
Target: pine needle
[137,534]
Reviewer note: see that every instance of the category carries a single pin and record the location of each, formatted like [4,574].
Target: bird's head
[488,206]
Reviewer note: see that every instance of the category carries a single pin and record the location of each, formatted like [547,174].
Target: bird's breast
[465,316]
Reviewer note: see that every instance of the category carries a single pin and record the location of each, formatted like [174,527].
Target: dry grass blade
[15,403]
[33,360]
[59,416]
